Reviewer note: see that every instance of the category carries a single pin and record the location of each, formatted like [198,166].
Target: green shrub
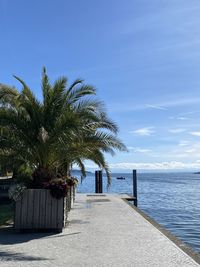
[6,213]
[24,175]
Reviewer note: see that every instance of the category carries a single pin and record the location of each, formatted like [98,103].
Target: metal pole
[96,182]
[135,186]
[100,182]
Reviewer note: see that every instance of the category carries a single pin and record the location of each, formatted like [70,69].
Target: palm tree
[68,126]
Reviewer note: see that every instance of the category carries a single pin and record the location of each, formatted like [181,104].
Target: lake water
[171,199]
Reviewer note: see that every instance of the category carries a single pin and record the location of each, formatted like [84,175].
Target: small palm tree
[66,127]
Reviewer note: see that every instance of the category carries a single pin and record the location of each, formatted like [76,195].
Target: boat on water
[121,178]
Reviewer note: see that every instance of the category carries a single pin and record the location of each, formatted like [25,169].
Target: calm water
[172,199]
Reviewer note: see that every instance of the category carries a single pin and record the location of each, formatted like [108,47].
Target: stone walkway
[103,231]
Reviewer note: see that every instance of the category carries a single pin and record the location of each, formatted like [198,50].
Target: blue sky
[142,56]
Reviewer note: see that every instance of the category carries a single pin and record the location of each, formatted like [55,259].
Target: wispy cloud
[182,118]
[175,101]
[167,165]
[156,107]
[183,155]
[178,118]
[146,131]
[183,143]
[196,133]
[184,115]
[189,113]
[191,150]
[176,131]
[139,149]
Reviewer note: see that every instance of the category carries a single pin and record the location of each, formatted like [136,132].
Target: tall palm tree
[67,126]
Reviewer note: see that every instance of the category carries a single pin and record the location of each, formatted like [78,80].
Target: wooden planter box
[70,198]
[73,194]
[37,210]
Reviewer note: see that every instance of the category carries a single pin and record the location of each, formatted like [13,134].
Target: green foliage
[68,126]
[6,213]
[24,175]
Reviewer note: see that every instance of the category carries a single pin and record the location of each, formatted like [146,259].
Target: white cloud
[168,165]
[196,133]
[178,130]
[139,149]
[181,102]
[130,147]
[182,118]
[183,143]
[178,118]
[178,102]
[189,113]
[146,131]
[191,150]
[174,101]
[156,107]
[185,149]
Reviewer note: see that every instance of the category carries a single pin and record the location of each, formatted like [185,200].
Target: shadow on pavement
[79,222]
[9,237]
[11,256]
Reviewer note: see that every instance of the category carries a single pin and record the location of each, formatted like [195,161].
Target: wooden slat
[68,200]
[54,213]
[72,197]
[24,209]
[49,200]
[36,206]
[60,213]
[42,209]
[30,209]
[18,209]
[65,212]
[74,193]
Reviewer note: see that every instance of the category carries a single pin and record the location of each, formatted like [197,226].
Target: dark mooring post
[135,187]
[98,182]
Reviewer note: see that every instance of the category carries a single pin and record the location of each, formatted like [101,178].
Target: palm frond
[74,84]
[8,95]
[46,87]
[78,92]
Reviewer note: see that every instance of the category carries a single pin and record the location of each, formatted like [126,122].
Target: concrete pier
[103,231]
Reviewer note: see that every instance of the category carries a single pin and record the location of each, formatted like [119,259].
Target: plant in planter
[58,188]
[15,191]
[49,136]
[40,208]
